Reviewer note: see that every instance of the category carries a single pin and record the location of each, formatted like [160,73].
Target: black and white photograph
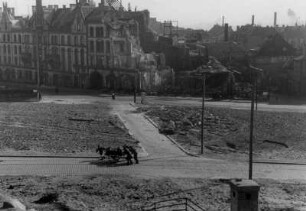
[153,105]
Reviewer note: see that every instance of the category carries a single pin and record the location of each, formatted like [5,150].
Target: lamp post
[203,107]
[135,85]
[254,92]
[251,130]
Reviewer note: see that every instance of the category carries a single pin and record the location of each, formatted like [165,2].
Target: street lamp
[254,71]
[203,71]
[211,68]
[203,107]
[254,92]
[135,85]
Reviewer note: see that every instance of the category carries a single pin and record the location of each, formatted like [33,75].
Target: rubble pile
[277,135]
[184,124]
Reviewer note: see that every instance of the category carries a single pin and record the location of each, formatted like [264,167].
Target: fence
[178,204]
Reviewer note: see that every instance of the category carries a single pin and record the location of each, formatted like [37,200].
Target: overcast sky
[202,14]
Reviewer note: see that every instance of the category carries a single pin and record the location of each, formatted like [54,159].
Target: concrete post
[244,195]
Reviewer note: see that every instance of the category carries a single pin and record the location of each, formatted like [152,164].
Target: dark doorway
[96,80]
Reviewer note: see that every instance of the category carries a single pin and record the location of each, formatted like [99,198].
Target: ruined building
[83,45]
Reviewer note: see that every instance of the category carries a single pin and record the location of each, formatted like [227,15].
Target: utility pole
[253,96]
[135,85]
[251,130]
[39,30]
[203,112]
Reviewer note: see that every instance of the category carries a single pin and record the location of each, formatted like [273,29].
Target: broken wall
[154,80]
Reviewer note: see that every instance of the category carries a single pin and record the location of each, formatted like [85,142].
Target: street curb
[145,153]
[171,139]
[47,156]
[279,162]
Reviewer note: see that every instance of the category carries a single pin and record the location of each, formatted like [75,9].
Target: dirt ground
[49,128]
[277,135]
[122,193]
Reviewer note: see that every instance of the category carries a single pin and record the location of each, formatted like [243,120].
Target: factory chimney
[253,20]
[275,19]
[223,20]
[226,32]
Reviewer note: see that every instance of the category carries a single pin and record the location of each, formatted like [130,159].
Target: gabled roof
[253,36]
[8,17]
[101,13]
[62,19]
[275,45]
[212,67]
[222,50]
[293,32]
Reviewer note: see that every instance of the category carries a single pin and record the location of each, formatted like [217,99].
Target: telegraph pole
[39,30]
[251,131]
[135,86]
[203,112]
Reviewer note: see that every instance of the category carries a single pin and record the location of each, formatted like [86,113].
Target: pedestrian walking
[113,96]
[39,96]
[134,153]
[128,155]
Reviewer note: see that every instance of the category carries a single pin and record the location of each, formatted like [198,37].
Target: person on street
[128,155]
[134,153]
[113,96]
[39,96]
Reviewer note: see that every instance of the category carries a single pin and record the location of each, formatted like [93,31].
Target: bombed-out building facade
[83,46]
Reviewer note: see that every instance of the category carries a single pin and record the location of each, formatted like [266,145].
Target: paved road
[163,159]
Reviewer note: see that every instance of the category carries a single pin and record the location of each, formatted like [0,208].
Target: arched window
[69,40]
[75,40]
[76,56]
[91,31]
[82,41]
[82,57]
[63,58]
[69,60]
[63,40]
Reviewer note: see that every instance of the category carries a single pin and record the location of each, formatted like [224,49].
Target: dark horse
[114,153]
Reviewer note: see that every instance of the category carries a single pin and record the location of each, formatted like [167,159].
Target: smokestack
[223,20]
[253,20]
[226,32]
[275,19]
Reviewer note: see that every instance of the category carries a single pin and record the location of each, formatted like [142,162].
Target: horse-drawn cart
[115,154]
